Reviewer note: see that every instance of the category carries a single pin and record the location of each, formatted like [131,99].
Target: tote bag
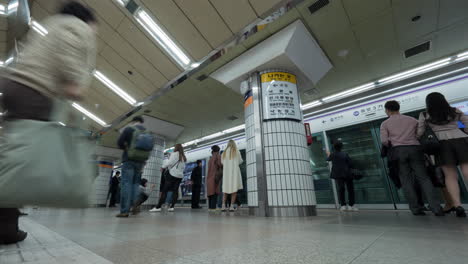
[45,163]
[429,141]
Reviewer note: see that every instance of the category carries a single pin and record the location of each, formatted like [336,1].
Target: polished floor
[96,236]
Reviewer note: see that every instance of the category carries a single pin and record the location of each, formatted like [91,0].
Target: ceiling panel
[377,34]
[108,11]
[134,58]
[38,12]
[404,11]
[265,7]
[327,22]
[50,6]
[359,11]
[123,67]
[119,79]
[343,49]
[144,45]
[451,40]
[3,23]
[452,11]
[118,103]
[179,27]
[237,14]
[207,20]
[105,104]
[384,62]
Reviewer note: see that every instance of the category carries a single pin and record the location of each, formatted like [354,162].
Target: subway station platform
[96,236]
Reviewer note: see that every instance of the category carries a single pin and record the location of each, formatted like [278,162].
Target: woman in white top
[232,179]
[176,166]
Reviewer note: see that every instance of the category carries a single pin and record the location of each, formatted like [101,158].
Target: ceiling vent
[202,77]
[232,118]
[318,5]
[311,92]
[418,49]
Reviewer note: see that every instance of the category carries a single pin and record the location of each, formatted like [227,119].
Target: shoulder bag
[45,163]
[429,141]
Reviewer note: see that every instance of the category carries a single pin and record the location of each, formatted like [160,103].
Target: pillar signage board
[280,96]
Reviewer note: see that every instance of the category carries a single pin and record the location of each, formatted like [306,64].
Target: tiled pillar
[101,184]
[152,170]
[279,176]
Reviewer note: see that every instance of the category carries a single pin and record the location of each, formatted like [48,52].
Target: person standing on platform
[443,120]
[196,179]
[58,65]
[214,177]
[341,173]
[114,189]
[232,178]
[176,166]
[131,169]
[401,132]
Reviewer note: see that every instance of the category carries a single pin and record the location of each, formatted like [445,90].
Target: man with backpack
[137,144]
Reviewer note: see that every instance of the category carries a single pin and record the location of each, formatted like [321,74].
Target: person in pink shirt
[400,132]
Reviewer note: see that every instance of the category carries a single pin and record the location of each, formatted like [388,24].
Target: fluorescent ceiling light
[62,124]
[311,104]
[162,38]
[122,2]
[12,6]
[195,65]
[101,77]
[3,10]
[233,129]
[89,114]
[9,60]
[39,28]
[415,71]
[347,93]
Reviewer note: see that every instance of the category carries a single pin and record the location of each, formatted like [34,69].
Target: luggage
[141,146]
[429,141]
[45,163]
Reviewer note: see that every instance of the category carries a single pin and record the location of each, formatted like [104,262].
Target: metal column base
[287,211]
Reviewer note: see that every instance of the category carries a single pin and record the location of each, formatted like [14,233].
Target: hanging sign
[280,96]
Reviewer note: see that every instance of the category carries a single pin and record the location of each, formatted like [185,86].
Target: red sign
[308,134]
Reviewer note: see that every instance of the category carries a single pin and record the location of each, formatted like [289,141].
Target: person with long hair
[232,178]
[175,166]
[214,176]
[443,120]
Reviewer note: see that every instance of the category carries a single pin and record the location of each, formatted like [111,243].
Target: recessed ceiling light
[416,18]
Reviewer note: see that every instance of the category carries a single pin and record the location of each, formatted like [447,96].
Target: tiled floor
[95,236]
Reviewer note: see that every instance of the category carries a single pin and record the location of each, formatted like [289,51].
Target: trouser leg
[350,189]
[407,179]
[340,184]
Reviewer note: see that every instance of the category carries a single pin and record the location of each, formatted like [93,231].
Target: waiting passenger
[143,195]
[443,120]
[114,189]
[56,66]
[232,178]
[196,179]
[341,173]
[214,176]
[400,131]
[176,166]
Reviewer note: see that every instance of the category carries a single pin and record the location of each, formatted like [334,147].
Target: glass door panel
[320,170]
[360,143]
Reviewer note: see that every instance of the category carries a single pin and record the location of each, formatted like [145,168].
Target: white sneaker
[170,209]
[223,209]
[344,208]
[155,210]
[353,208]
[232,209]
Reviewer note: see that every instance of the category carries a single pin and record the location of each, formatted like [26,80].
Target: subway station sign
[280,96]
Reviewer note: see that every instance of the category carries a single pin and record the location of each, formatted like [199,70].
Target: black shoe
[450,210]
[23,214]
[199,207]
[460,211]
[420,213]
[439,213]
[122,215]
[21,235]
[12,239]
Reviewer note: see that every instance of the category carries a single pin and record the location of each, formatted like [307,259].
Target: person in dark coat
[196,179]
[341,173]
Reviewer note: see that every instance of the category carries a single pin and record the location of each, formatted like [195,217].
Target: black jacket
[196,177]
[341,165]
[125,140]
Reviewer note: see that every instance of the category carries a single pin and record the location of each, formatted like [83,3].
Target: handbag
[356,174]
[435,173]
[429,141]
[45,163]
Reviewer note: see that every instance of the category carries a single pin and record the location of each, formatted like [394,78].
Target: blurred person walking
[214,177]
[56,66]
[453,150]
[232,178]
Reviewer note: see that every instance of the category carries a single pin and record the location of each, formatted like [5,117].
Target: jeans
[170,191]
[129,185]
[342,185]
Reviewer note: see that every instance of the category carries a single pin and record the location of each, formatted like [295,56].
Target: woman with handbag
[56,66]
[232,178]
[174,173]
[341,173]
[452,144]
[214,176]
